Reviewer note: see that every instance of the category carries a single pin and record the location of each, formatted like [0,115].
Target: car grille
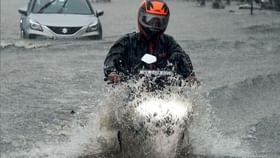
[64,30]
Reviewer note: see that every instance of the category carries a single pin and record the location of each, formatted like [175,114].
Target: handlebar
[156,73]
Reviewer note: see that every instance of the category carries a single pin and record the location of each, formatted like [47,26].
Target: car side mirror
[22,11]
[99,13]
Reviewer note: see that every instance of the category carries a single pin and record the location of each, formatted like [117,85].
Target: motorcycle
[154,121]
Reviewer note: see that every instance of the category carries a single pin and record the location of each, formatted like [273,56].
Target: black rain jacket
[126,53]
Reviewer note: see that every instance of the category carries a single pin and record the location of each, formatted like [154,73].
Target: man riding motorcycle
[125,55]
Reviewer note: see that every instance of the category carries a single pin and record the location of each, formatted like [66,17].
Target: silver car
[60,19]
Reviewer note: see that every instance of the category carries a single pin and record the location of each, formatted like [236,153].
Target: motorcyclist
[125,55]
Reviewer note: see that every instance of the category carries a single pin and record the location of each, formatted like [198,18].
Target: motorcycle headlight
[35,25]
[160,108]
[92,27]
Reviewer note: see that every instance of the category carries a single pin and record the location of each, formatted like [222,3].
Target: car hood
[64,20]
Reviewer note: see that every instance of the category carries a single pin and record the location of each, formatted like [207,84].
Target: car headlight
[92,27]
[35,25]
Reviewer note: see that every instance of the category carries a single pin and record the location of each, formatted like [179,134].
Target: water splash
[24,44]
[206,138]
[152,123]
[180,124]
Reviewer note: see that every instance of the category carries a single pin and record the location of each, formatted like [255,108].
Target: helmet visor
[153,21]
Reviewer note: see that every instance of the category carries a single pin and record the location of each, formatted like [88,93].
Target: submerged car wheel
[23,35]
[100,36]
[31,36]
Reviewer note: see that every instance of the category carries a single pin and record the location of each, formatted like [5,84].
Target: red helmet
[153,17]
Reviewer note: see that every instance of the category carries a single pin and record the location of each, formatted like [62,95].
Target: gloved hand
[191,79]
[114,77]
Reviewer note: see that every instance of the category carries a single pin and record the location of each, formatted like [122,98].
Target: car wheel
[100,36]
[31,36]
[119,140]
[22,34]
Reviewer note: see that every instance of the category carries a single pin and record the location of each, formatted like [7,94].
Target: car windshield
[62,7]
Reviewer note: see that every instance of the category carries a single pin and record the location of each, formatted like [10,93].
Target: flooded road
[53,98]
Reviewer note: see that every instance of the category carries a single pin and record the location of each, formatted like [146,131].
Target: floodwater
[54,102]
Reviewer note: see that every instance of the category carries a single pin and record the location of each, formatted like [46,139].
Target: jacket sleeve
[115,56]
[179,58]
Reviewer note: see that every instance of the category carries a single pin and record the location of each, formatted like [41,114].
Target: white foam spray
[154,125]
